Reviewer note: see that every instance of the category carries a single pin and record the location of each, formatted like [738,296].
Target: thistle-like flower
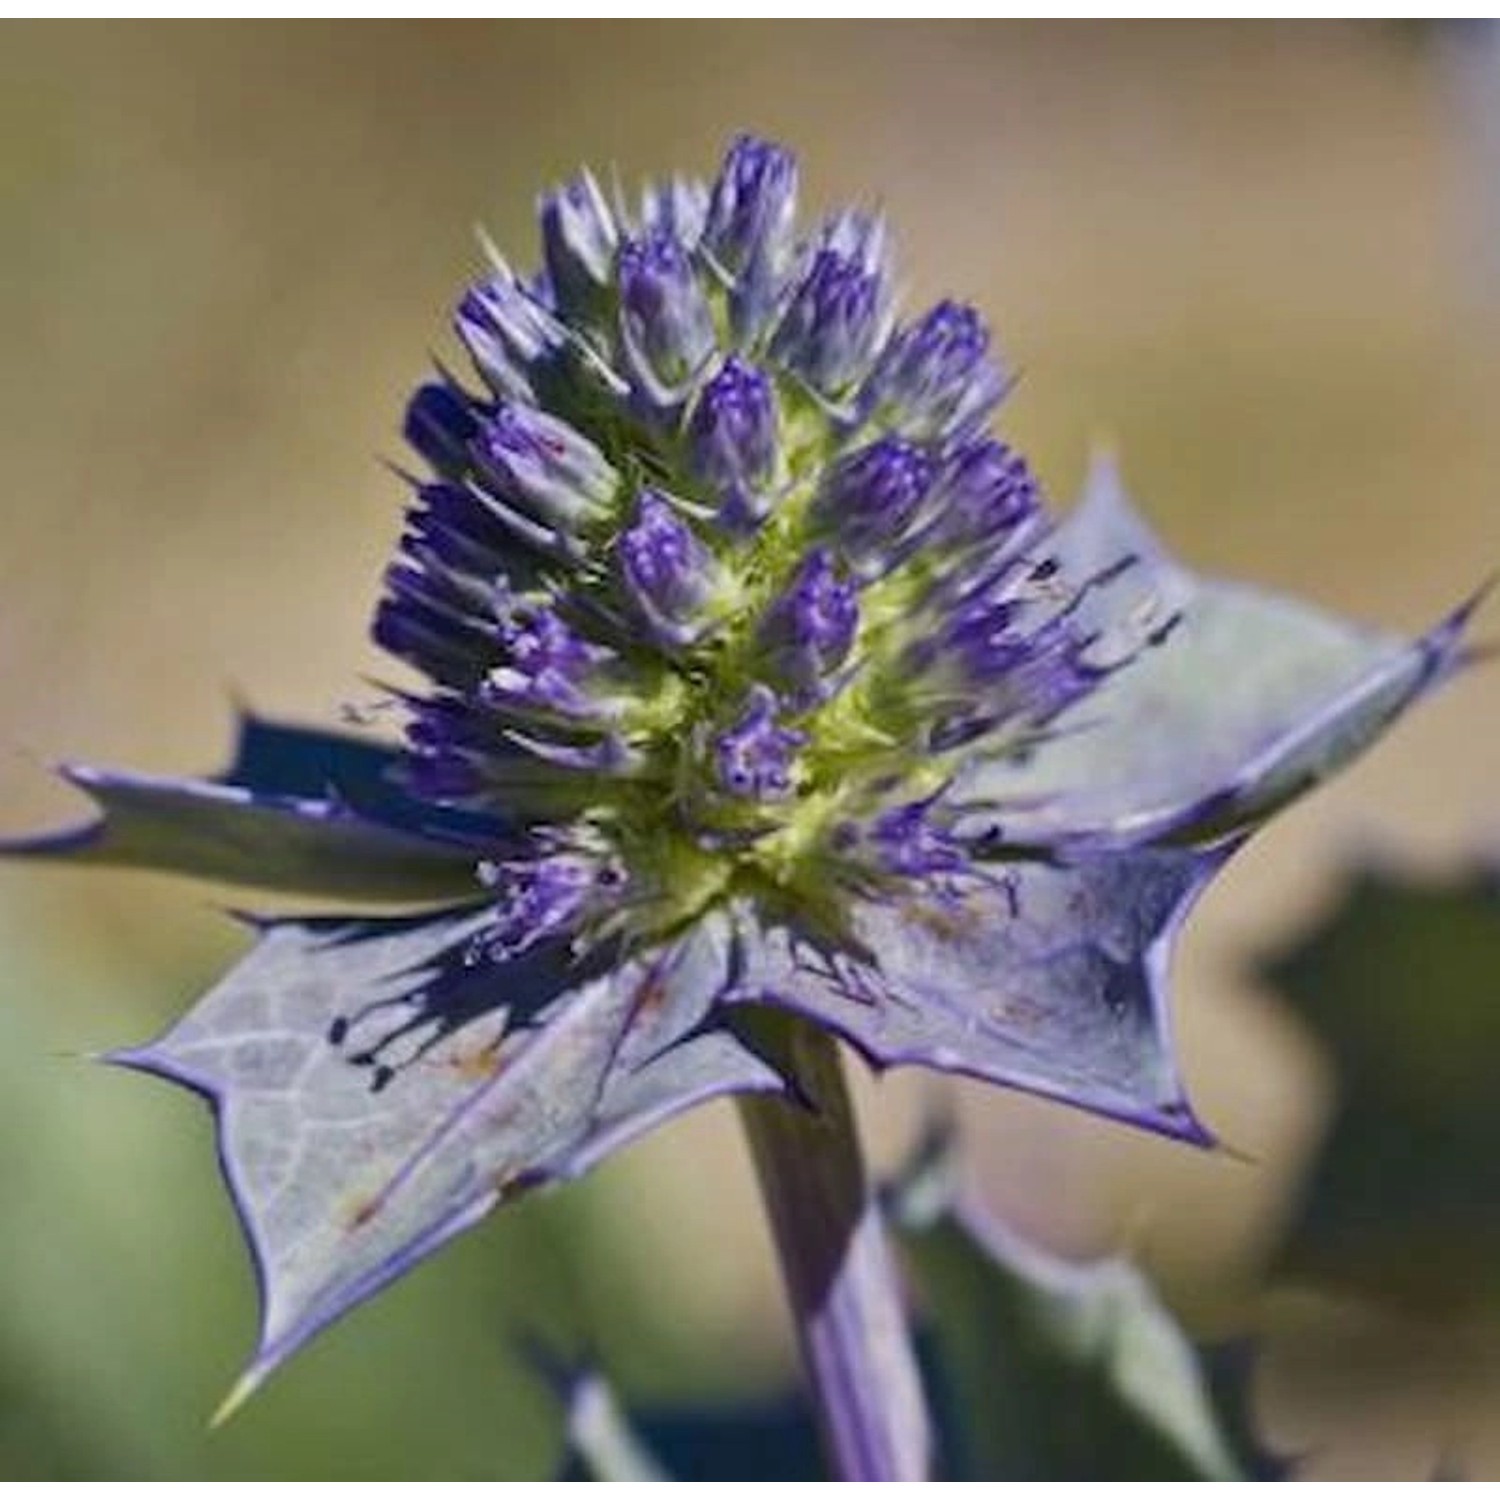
[752,671]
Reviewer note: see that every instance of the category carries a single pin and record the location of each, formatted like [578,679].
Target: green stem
[837,1266]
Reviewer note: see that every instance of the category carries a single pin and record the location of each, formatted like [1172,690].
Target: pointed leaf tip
[1223,702]
[239,1393]
[297,810]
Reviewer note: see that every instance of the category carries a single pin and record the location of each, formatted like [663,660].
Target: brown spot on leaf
[952,924]
[1019,1012]
[361,1212]
[650,994]
[476,1064]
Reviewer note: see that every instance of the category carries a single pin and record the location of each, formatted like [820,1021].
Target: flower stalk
[837,1265]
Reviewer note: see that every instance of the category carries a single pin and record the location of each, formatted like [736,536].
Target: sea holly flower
[749,232]
[732,441]
[809,630]
[869,497]
[758,698]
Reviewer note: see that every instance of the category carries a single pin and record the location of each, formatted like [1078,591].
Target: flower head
[805,607]
[749,669]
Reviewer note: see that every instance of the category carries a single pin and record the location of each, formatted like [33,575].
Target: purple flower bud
[904,841]
[426,619]
[809,631]
[1008,664]
[732,436]
[838,316]
[578,244]
[440,425]
[665,319]
[871,496]
[546,468]
[985,493]
[538,900]
[753,760]
[548,667]
[443,767]
[668,573]
[937,378]
[749,232]
[753,205]
[451,529]
[507,333]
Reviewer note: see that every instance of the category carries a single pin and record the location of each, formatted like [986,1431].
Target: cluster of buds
[723,543]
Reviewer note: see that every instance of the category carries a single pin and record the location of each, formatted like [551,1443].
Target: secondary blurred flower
[750,671]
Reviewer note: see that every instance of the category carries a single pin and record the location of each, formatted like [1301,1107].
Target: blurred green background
[1260,260]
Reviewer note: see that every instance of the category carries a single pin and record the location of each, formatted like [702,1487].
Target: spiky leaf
[376,1093]
[1044,1369]
[1047,979]
[1236,702]
[298,810]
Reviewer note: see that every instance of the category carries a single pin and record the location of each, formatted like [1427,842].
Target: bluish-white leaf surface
[376,1093]
[298,810]
[1047,979]
[1232,701]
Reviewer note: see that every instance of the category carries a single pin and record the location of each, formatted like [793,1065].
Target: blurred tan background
[1261,260]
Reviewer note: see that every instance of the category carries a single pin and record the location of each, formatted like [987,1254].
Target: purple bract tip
[936,377]
[832,328]
[666,570]
[870,498]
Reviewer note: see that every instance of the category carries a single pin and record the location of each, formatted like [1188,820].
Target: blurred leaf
[600,1440]
[1043,1369]
[1401,985]
[768,1439]
[1230,1369]
[1036,1368]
